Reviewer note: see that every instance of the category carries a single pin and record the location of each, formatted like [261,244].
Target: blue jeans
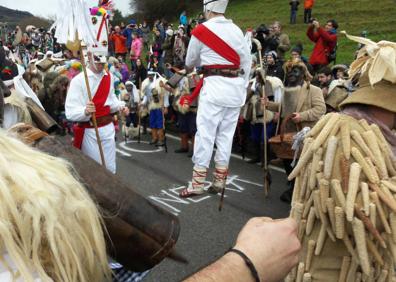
[293,16]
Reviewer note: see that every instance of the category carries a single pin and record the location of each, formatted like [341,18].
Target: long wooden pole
[94,122]
[265,161]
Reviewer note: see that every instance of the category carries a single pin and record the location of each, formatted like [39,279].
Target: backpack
[332,56]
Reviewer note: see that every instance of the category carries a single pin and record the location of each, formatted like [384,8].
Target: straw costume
[345,181]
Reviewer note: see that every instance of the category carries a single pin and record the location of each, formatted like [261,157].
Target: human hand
[125,111]
[90,108]
[276,117]
[296,118]
[272,246]
[165,111]
[264,101]
[316,24]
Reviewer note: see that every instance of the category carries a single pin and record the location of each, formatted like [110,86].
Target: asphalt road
[206,233]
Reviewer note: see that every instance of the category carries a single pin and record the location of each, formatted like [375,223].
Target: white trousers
[90,145]
[214,124]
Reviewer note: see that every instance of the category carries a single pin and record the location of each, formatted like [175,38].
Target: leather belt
[101,121]
[233,73]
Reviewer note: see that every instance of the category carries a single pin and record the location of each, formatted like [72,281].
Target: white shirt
[222,91]
[77,97]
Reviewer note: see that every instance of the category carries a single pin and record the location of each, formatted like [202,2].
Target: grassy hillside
[378,18]
[21,18]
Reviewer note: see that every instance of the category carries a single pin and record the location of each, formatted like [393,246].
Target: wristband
[248,263]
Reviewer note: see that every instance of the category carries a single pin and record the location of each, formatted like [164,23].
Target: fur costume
[49,229]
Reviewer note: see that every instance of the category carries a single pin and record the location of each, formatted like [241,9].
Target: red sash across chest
[99,100]
[214,42]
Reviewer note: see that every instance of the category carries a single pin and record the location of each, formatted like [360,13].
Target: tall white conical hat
[216,6]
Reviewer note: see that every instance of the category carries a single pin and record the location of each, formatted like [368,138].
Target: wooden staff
[94,122]
[267,176]
[138,108]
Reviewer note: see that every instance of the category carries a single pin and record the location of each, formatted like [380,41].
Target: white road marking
[121,152]
[125,147]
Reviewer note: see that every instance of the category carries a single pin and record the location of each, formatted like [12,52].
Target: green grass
[377,17]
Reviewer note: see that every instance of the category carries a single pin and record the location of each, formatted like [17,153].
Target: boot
[154,136]
[161,138]
[197,184]
[184,144]
[219,179]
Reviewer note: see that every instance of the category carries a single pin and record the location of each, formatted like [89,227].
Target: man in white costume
[219,47]
[105,103]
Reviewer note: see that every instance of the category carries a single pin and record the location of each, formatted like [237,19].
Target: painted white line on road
[123,153]
[125,147]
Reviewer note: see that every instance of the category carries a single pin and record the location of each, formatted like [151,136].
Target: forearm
[230,268]
[272,106]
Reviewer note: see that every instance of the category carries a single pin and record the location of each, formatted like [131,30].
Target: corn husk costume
[344,196]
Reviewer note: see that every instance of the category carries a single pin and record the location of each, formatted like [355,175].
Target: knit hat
[273,54]
[376,68]
[298,49]
[169,32]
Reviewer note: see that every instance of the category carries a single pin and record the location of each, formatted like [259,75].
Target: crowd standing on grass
[141,53]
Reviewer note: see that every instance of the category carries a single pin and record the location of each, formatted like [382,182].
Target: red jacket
[119,43]
[325,42]
[308,4]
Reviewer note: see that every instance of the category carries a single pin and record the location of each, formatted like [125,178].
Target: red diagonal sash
[214,42]
[99,100]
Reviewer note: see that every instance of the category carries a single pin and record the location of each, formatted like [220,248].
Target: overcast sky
[48,7]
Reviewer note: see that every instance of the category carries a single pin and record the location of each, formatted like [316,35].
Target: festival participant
[219,47]
[50,230]
[105,103]
[157,102]
[132,100]
[302,100]
[357,147]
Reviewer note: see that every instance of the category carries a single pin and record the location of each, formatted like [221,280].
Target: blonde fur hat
[375,66]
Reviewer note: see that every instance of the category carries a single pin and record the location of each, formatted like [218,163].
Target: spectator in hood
[274,67]
[183,18]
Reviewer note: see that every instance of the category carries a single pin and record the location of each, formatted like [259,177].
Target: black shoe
[287,196]
[153,142]
[160,144]
[190,155]
[181,151]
